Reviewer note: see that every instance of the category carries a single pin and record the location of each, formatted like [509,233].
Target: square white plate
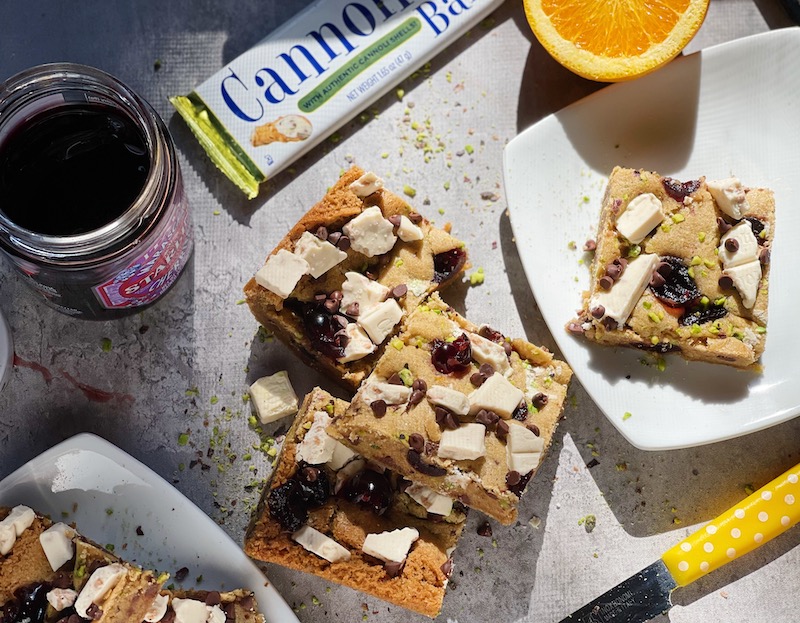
[108,494]
[733,109]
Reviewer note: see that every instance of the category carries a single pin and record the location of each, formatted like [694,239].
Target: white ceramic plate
[109,494]
[733,109]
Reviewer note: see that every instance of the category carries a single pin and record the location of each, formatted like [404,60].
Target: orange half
[614,40]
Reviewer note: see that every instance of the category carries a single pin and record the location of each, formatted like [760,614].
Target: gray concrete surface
[187,361]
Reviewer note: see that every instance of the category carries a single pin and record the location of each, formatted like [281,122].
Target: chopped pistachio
[183,439]
[469,149]
[105,344]
[626,416]
[410,191]
[678,218]
[654,340]
[634,251]
[701,236]
[696,261]
[653,316]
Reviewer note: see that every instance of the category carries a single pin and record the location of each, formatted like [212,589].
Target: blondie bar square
[681,266]
[458,408]
[329,512]
[341,282]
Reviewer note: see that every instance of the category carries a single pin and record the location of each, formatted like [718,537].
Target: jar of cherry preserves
[92,207]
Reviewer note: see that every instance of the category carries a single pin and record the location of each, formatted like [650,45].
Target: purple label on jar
[151,274]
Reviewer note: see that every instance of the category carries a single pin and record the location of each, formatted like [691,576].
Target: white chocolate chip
[407,231]
[747,246]
[620,300]
[282,272]
[57,545]
[98,586]
[60,598]
[157,609]
[390,393]
[496,394]
[320,255]
[487,351]
[359,289]
[643,214]
[321,545]
[746,278]
[380,321]
[317,446]
[391,546]
[433,502]
[367,184]
[523,449]
[466,443]
[729,196]
[370,233]
[451,399]
[358,343]
[273,397]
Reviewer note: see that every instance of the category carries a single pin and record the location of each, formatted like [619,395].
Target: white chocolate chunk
[747,246]
[380,321]
[642,215]
[466,443]
[367,184]
[282,272]
[8,536]
[729,196]
[60,598]
[524,449]
[157,609]
[496,394]
[418,287]
[273,397]
[451,399]
[359,289]
[746,278]
[390,393]
[487,351]
[320,255]
[407,231]
[317,446]
[342,455]
[98,586]
[321,545]
[370,233]
[57,544]
[21,517]
[195,611]
[433,502]
[392,546]
[620,300]
[358,343]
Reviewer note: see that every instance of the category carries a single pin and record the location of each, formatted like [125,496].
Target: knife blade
[760,517]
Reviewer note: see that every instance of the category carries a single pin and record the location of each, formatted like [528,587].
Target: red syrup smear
[91,393]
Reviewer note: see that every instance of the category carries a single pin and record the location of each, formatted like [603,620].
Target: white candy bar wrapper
[278,100]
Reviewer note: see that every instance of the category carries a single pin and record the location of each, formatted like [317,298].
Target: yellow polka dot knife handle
[768,512]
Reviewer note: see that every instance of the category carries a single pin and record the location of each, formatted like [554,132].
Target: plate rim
[789,36]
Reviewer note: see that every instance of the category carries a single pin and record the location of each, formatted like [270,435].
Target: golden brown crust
[420,586]
[480,484]
[406,262]
[739,338]
[26,563]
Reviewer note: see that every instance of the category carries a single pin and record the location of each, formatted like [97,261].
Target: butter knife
[762,516]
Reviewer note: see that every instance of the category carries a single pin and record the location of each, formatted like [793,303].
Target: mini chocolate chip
[441,415]
[732,245]
[534,429]
[724,226]
[415,460]
[322,232]
[574,327]
[485,529]
[540,400]
[213,598]
[393,569]
[415,217]
[378,407]
[486,370]
[613,271]
[395,379]
[343,243]
[589,246]
[394,219]
[139,531]
[310,474]
[399,291]
[320,296]
[477,379]
[508,348]
[94,612]
[451,422]
[352,309]
[447,567]
[621,262]
[664,269]
[417,396]
[513,478]
[598,312]
[343,322]
[488,418]
[606,282]
[609,323]
[416,442]
[764,256]
[334,236]
[331,305]
[336,295]
[725,282]
[419,384]
[180,574]
[656,280]
[502,429]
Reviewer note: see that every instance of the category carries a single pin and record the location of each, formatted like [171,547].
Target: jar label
[151,274]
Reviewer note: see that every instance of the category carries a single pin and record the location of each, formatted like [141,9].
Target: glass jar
[92,207]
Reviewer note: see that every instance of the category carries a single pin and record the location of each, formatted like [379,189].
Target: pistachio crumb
[626,416]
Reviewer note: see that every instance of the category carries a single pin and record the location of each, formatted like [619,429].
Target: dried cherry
[699,315]
[321,327]
[447,264]
[369,489]
[678,288]
[449,357]
[679,190]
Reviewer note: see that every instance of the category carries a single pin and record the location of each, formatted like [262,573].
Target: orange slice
[614,40]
